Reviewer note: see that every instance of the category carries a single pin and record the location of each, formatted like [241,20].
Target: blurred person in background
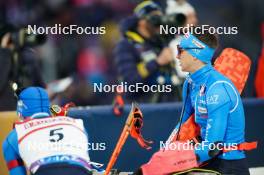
[182,6]
[19,63]
[142,56]
[6,95]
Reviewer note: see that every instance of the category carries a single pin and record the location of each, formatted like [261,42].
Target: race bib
[42,138]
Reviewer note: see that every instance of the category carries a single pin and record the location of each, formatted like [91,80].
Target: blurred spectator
[7,99]
[142,57]
[20,66]
[182,6]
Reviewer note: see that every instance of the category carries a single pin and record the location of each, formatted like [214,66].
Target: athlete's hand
[165,57]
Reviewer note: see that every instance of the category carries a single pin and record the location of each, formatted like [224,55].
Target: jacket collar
[198,76]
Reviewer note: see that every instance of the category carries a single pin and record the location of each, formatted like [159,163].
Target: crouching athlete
[42,144]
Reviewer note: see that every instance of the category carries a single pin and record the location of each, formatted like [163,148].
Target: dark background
[89,58]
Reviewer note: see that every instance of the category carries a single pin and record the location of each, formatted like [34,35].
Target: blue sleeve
[218,107]
[10,151]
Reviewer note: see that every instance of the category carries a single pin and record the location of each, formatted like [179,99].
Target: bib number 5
[56,135]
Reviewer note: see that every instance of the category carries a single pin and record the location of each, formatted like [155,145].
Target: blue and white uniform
[218,111]
[40,140]
[216,103]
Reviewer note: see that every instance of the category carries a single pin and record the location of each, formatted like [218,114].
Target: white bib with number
[41,138]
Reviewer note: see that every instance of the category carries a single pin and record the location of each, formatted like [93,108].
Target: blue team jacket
[218,111]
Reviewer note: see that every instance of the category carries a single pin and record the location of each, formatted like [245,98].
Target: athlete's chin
[183,68]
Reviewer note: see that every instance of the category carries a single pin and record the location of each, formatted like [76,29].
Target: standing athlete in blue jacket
[216,104]
[45,145]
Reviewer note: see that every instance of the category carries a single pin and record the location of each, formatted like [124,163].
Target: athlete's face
[187,61]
